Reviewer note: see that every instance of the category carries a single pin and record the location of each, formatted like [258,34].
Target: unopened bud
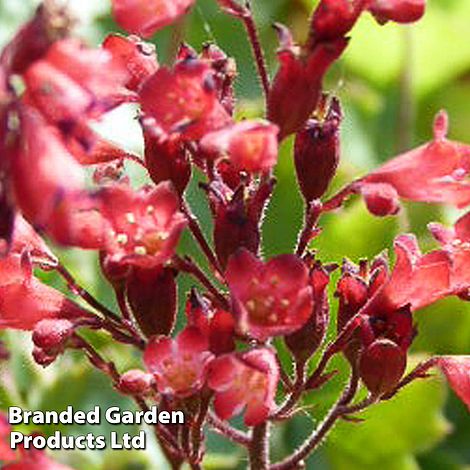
[51,335]
[317,153]
[135,382]
[152,295]
[381,366]
[43,358]
[381,199]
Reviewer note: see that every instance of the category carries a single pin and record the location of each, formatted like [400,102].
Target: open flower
[179,365]
[144,226]
[435,172]
[250,145]
[272,298]
[145,17]
[184,100]
[457,372]
[247,380]
[25,301]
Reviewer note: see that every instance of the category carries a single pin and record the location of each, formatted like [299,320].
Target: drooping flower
[137,56]
[25,301]
[457,371]
[272,298]
[247,382]
[456,242]
[143,226]
[251,146]
[435,172]
[297,86]
[184,100]
[43,172]
[179,365]
[400,11]
[145,17]
[73,82]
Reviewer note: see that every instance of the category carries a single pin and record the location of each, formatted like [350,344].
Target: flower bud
[42,358]
[152,295]
[135,382]
[381,366]
[167,159]
[400,11]
[317,152]
[51,335]
[381,199]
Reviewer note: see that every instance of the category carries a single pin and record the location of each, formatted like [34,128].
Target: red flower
[73,82]
[434,172]
[145,17]
[401,11]
[44,173]
[25,301]
[245,380]
[297,86]
[179,365]
[184,100]
[456,242]
[250,145]
[457,371]
[272,298]
[144,226]
[216,324]
[137,56]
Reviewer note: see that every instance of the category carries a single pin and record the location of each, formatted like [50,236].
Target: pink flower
[43,171]
[72,82]
[184,100]
[136,55]
[247,380]
[457,371]
[272,298]
[25,301]
[250,145]
[143,226]
[145,17]
[179,365]
[434,172]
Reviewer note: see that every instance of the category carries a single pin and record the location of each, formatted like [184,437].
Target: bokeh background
[392,80]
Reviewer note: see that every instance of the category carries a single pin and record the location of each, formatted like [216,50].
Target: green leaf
[393,431]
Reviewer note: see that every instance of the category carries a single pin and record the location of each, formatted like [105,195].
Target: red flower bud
[381,366]
[317,152]
[42,357]
[51,335]
[333,19]
[167,160]
[401,11]
[152,295]
[381,198]
[50,23]
[135,382]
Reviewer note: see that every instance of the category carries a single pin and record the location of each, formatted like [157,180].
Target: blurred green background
[392,80]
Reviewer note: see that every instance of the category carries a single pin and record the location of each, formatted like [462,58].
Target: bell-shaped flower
[184,100]
[272,298]
[143,226]
[434,172]
[179,365]
[251,146]
[400,11]
[245,382]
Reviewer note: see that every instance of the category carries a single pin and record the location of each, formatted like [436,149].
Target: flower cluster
[223,362]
